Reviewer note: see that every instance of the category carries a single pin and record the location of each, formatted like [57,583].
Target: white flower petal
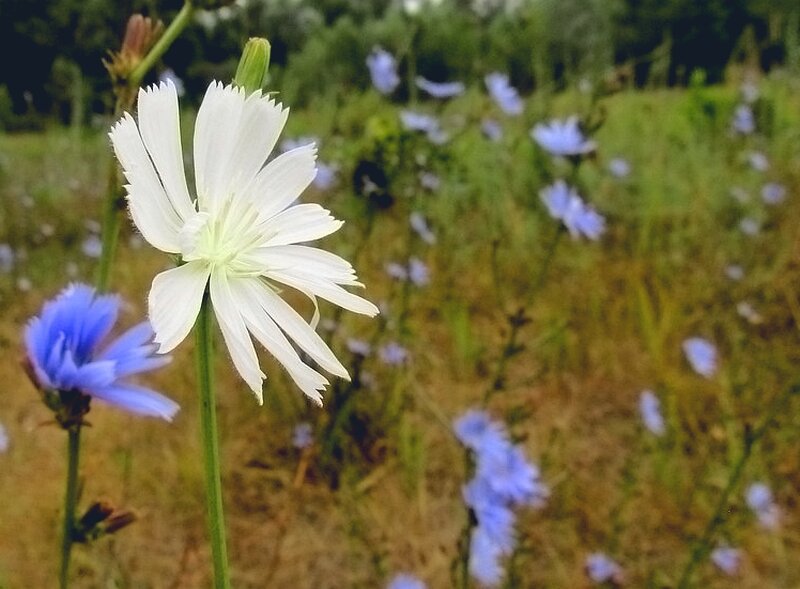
[215,138]
[301,260]
[248,292]
[174,303]
[282,180]
[234,330]
[259,128]
[325,290]
[300,223]
[150,207]
[159,122]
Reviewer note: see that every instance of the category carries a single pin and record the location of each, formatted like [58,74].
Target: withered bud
[141,33]
[101,519]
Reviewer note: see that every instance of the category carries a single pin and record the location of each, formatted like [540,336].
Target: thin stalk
[114,204]
[204,343]
[70,500]
[167,38]
[702,547]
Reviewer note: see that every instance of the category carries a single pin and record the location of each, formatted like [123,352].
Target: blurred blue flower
[326,175]
[7,258]
[393,354]
[619,167]
[476,430]
[494,515]
[396,271]
[702,355]
[4,441]
[758,161]
[420,226]
[440,89]
[92,247]
[727,559]
[743,120]
[564,204]
[503,93]
[405,581]
[484,558]
[511,476]
[602,569]
[302,436]
[750,226]
[430,181]
[418,272]
[416,121]
[67,350]
[650,409]
[492,129]
[169,75]
[383,70]
[759,498]
[563,138]
[773,193]
[358,347]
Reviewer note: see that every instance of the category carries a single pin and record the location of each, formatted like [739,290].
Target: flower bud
[251,74]
[141,33]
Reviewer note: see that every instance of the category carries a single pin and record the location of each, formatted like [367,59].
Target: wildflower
[563,138]
[67,351]
[727,559]
[326,176]
[440,89]
[759,498]
[564,204]
[169,75]
[430,181]
[405,581]
[393,354]
[619,167]
[650,408]
[734,271]
[484,558]
[358,347]
[750,226]
[418,272]
[492,129]
[773,193]
[7,258]
[92,247]
[702,355]
[4,441]
[415,121]
[602,569]
[383,70]
[420,225]
[240,237]
[476,430]
[746,311]
[758,161]
[503,93]
[396,271]
[743,121]
[302,436]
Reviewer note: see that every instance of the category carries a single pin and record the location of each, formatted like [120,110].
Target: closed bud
[141,33]
[251,74]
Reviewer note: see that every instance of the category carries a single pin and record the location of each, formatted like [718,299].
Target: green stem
[114,204]
[70,499]
[168,38]
[208,419]
[702,547]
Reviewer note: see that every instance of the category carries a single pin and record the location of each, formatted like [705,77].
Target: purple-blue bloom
[563,138]
[650,409]
[4,441]
[405,581]
[727,559]
[702,355]
[7,258]
[302,436]
[773,193]
[564,204]
[440,89]
[396,271]
[430,181]
[68,350]
[503,93]
[326,175]
[92,247]
[420,226]
[619,167]
[418,272]
[358,347]
[484,558]
[601,568]
[393,354]
[750,226]
[383,70]
[492,129]
[743,120]
[758,161]
[415,121]
[759,498]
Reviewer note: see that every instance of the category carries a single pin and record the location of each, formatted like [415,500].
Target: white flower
[239,238]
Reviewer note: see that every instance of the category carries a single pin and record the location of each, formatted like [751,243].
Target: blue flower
[602,568]
[743,120]
[759,498]
[702,355]
[511,476]
[727,559]
[440,89]
[418,272]
[758,161]
[492,129]
[383,70]
[650,408]
[562,138]
[302,436]
[505,95]
[67,351]
[420,226]
[619,167]
[326,175]
[359,347]
[7,258]
[405,581]
[564,204]
[773,193]
[484,558]
[416,121]
[393,354]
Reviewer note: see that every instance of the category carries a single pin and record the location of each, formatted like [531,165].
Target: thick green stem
[168,38]
[70,499]
[208,420]
[112,208]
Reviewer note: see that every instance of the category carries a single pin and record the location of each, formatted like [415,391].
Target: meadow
[555,336]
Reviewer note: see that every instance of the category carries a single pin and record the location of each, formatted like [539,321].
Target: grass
[609,323]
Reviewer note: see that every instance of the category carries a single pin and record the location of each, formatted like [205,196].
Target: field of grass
[380,490]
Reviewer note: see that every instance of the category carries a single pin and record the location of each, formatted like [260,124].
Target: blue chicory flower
[650,409]
[563,138]
[702,355]
[326,175]
[564,204]
[418,272]
[743,122]
[393,354]
[67,349]
[440,89]
[773,193]
[7,258]
[405,581]
[396,271]
[503,93]
[758,161]
[484,558]
[4,440]
[359,347]
[383,70]
[619,167]
[759,498]
[420,226]
[492,129]
[602,569]
[727,559]
[302,435]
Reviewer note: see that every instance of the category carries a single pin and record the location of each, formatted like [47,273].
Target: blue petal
[138,400]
